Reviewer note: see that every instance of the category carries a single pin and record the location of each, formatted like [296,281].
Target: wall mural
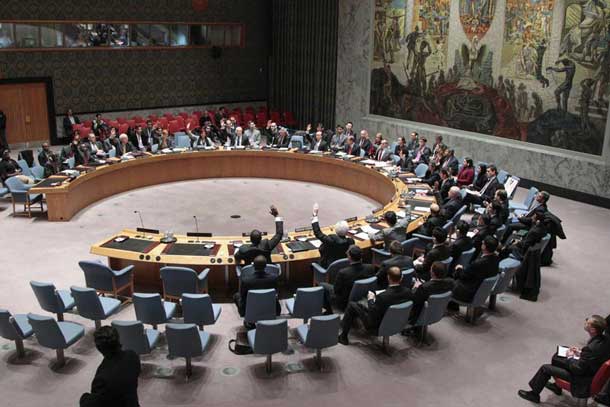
[551,88]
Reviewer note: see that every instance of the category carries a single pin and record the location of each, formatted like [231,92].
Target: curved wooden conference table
[149,255]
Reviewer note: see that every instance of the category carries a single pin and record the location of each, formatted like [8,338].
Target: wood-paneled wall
[303,62]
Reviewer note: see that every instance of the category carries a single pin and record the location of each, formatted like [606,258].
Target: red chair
[174,127]
[88,123]
[289,119]
[138,119]
[180,121]
[599,381]
[250,109]
[84,132]
[184,115]
[76,127]
[112,123]
[123,127]
[275,116]
[131,123]
[164,123]
[261,119]
[238,110]
[121,120]
[212,117]
[169,116]
[249,117]
[198,113]
[153,117]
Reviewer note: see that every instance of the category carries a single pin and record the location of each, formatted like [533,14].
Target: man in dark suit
[350,147]
[318,143]
[259,246]
[282,139]
[138,139]
[469,279]
[149,133]
[396,230]
[413,141]
[421,155]
[518,247]
[438,284]
[49,160]
[578,367]
[525,222]
[364,143]
[462,242]
[438,252]
[334,246]
[124,146]
[453,204]
[488,190]
[94,147]
[68,122]
[434,220]
[377,305]
[116,379]
[451,164]
[446,183]
[483,230]
[239,140]
[383,153]
[398,259]
[337,294]
[260,279]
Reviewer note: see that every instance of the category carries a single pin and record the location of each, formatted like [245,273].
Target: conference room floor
[482,365]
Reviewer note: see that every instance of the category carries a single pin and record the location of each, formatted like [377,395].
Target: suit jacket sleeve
[279,232]
[340,284]
[318,233]
[583,365]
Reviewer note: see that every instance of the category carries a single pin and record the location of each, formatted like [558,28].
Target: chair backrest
[334,267]
[296,141]
[484,291]
[362,287]
[269,268]
[600,379]
[178,280]
[508,267]
[132,336]
[87,303]
[420,170]
[271,336]
[448,226]
[531,195]
[183,340]
[500,232]
[466,257]
[407,277]
[112,153]
[15,185]
[71,162]
[154,148]
[362,152]
[260,305]
[502,176]
[182,141]
[447,262]
[323,331]
[434,309]
[395,319]
[149,308]
[97,275]
[458,215]
[47,331]
[47,297]
[308,302]
[197,309]
[38,172]
[409,245]
[25,169]
[544,242]
[8,328]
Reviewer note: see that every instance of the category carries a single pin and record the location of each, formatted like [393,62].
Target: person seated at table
[351,148]
[282,139]
[95,148]
[259,279]
[421,155]
[468,279]
[484,228]
[517,246]
[441,192]
[578,366]
[433,176]
[396,230]
[383,153]
[439,283]
[259,246]
[462,242]
[524,222]
[73,150]
[453,204]
[338,140]
[333,246]
[10,168]
[166,140]
[487,192]
[318,143]
[401,147]
[112,141]
[450,162]
[150,134]
[124,147]
[365,143]
[413,141]
[465,176]
[373,312]
[49,160]
[398,259]
[377,141]
[205,139]
[434,220]
[239,140]
[253,134]
[437,251]
[337,294]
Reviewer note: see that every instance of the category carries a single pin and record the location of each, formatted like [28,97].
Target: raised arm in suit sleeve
[279,232]
[318,233]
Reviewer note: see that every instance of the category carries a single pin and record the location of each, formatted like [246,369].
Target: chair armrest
[204,274]
[422,237]
[124,271]
[318,269]
[380,252]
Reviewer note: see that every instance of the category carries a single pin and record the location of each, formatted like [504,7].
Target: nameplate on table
[151,231]
[198,234]
[247,234]
[352,219]
[303,229]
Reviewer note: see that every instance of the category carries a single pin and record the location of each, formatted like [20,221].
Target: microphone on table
[142,223]
[196,227]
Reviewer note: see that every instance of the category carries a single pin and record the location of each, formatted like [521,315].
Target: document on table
[316,243]
[471,192]
[368,162]
[362,236]
[368,229]
[421,209]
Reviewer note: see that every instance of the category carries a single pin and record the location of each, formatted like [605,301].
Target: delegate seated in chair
[116,379]
[468,279]
[398,259]
[437,252]
[578,366]
[434,220]
[259,280]
[337,294]
[396,230]
[421,291]
[258,246]
[462,242]
[333,246]
[517,247]
[372,314]
[524,222]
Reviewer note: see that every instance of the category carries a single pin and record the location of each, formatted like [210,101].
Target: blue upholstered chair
[52,300]
[508,268]
[456,218]
[395,319]
[500,232]
[15,328]
[479,298]
[466,257]
[409,245]
[362,287]
[38,172]
[306,303]
[420,170]
[55,335]
[181,280]
[269,268]
[432,312]
[325,275]
[20,195]
[268,338]
[198,309]
[379,255]
[152,310]
[186,341]
[407,277]
[90,306]
[105,280]
[3,191]
[527,202]
[502,176]
[260,305]
[296,141]
[135,337]
[322,332]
